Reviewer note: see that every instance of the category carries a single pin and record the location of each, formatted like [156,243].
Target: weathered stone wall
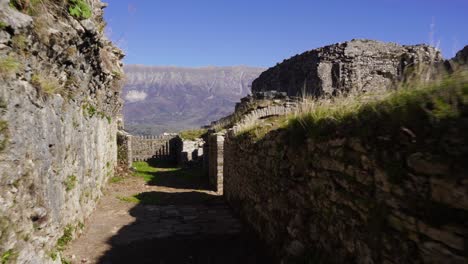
[357,65]
[159,147]
[59,94]
[124,149]
[216,161]
[192,151]
[389,193]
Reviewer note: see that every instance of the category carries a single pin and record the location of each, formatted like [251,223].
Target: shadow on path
[182,226]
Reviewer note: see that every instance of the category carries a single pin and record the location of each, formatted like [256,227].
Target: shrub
[8,66]
[79,9]
[48,85]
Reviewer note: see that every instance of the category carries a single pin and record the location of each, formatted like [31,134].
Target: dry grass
[9,66]
[47,84]
[432,99]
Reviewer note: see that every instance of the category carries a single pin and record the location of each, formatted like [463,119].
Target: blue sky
[264,32]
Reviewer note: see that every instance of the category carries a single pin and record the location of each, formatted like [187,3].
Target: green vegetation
[149,198]
[53,255]
[129,199]
[9,256]
[66,238]
[20,42]
[48,85]
[89,110]
[70,183]
[9,65]
[3,134]
[357,114]
[116,179]
[80,9]
[144,170]
[3,25]
[30,7]
[192,134]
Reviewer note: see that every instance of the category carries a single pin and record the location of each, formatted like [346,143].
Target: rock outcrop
[59,94]
[357,65]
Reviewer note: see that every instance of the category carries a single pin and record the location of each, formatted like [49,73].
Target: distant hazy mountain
[165,99]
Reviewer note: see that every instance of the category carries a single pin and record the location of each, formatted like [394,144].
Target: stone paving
[185,226]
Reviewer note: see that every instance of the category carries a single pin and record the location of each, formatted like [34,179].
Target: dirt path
[165,216]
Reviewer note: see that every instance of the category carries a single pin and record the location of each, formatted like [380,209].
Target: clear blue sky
[264,32]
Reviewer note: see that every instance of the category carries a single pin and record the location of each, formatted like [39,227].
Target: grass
[141,198]
[192,134]
[9,65]
[154,173]
[66,238]
[128,199]
[411,104]
[144,170]
[3,25]
[70,183]
[47,85]
[80,9]
[8,256]
[116,179]
[3,134]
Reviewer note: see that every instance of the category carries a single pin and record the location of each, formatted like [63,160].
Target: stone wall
[357,65]
[216,161]
[379,192]
[192,151]
[59,96]
[160,147]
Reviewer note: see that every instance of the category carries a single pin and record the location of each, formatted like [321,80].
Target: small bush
[9,66]
[79,9]
[48,85]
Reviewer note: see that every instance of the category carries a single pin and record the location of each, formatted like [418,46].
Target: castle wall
[59,98]
[377,192]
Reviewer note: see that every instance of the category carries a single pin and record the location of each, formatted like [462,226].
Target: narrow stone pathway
[163,218]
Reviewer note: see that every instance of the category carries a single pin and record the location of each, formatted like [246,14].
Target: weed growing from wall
[79,9]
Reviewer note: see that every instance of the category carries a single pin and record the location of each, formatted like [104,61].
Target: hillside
[160,99]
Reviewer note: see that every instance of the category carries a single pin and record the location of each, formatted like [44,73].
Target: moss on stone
[66,238]
[70,183]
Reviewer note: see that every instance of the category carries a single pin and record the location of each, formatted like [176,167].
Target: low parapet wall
[164,147]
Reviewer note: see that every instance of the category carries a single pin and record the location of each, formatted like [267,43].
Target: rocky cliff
[164,99]
[356,65]
[59,95]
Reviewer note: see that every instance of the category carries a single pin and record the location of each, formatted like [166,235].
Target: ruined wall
[59,94]
[159,147]
[361,65]
[191,151]
[382,191]
[216,161]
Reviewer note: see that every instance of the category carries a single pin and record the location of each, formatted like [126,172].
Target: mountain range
[161,99]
